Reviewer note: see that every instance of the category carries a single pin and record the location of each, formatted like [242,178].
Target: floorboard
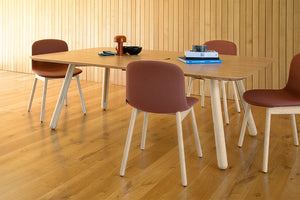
[81,159]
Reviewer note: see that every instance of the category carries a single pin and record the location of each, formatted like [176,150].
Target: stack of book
[200,57]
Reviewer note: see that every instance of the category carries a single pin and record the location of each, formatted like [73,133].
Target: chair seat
[191,101]
[271,98]
[55,71]
[196,77]
[164,108]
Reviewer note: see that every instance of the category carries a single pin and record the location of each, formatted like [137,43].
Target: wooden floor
[81,159]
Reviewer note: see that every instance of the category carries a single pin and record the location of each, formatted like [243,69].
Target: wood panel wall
[268,28]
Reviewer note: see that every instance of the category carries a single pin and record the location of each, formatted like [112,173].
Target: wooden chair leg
[44,100]
[181,149]
[236,97]
[225,102]
[196,134]
[80,94]
[143,142]
[128,141]
[190,90]
[244,125]
[203,94]
[190,86]
[266,141]
[66,100]
[32,94]
[294,126]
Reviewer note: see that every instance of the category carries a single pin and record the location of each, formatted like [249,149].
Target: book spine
[202,61]
[201,54]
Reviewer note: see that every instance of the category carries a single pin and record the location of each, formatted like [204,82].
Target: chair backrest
[222,47]
[155,86]
[47,46]
[293,83]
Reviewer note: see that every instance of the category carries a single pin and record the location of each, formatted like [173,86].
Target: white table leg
[251,124]
[218,124]
[62,95]
[105,88]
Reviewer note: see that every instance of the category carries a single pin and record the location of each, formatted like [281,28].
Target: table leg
[105,86]
[62,95]
[251,124]
[218,124]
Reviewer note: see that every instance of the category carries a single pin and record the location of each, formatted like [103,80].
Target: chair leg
[244,125]
[80,93]
[266,141]
[196,134]
[44,100]
[225,102]
[294,126]
[251,124]
[190,86]
[181,149]
[66,100]
[203,94]
[32,94]
[128,141]
[146,116]
[236,97]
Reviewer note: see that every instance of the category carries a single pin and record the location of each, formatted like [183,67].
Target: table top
[231,68]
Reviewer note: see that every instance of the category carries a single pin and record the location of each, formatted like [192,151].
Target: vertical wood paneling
[275,72]
[289,34]
[151,24]
[296,27]
[236,22]
[185,25]
[262,41]
[230,22]
[212,19]
[218,19]
[196,39]
[171,26]
[1,37]
[143,21]
[191,26]
[224,21]
[282,42]
[165,25]
[249,34]
[133,22]
[156,25]
[160,25]
[255,36]
[269,11]
[207,23]
[202,18]
[267,28]
[242,13]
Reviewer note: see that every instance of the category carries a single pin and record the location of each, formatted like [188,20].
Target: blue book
[193,61]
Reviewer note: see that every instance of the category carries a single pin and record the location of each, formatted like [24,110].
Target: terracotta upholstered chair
[282,101]
[158,87]
[46,71]
[226,48]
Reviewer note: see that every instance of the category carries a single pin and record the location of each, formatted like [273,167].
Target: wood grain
[231,68]
[82,158]
[265,28]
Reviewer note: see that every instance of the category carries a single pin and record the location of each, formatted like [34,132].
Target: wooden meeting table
[233,68]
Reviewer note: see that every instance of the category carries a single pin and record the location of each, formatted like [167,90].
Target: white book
[192,54]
